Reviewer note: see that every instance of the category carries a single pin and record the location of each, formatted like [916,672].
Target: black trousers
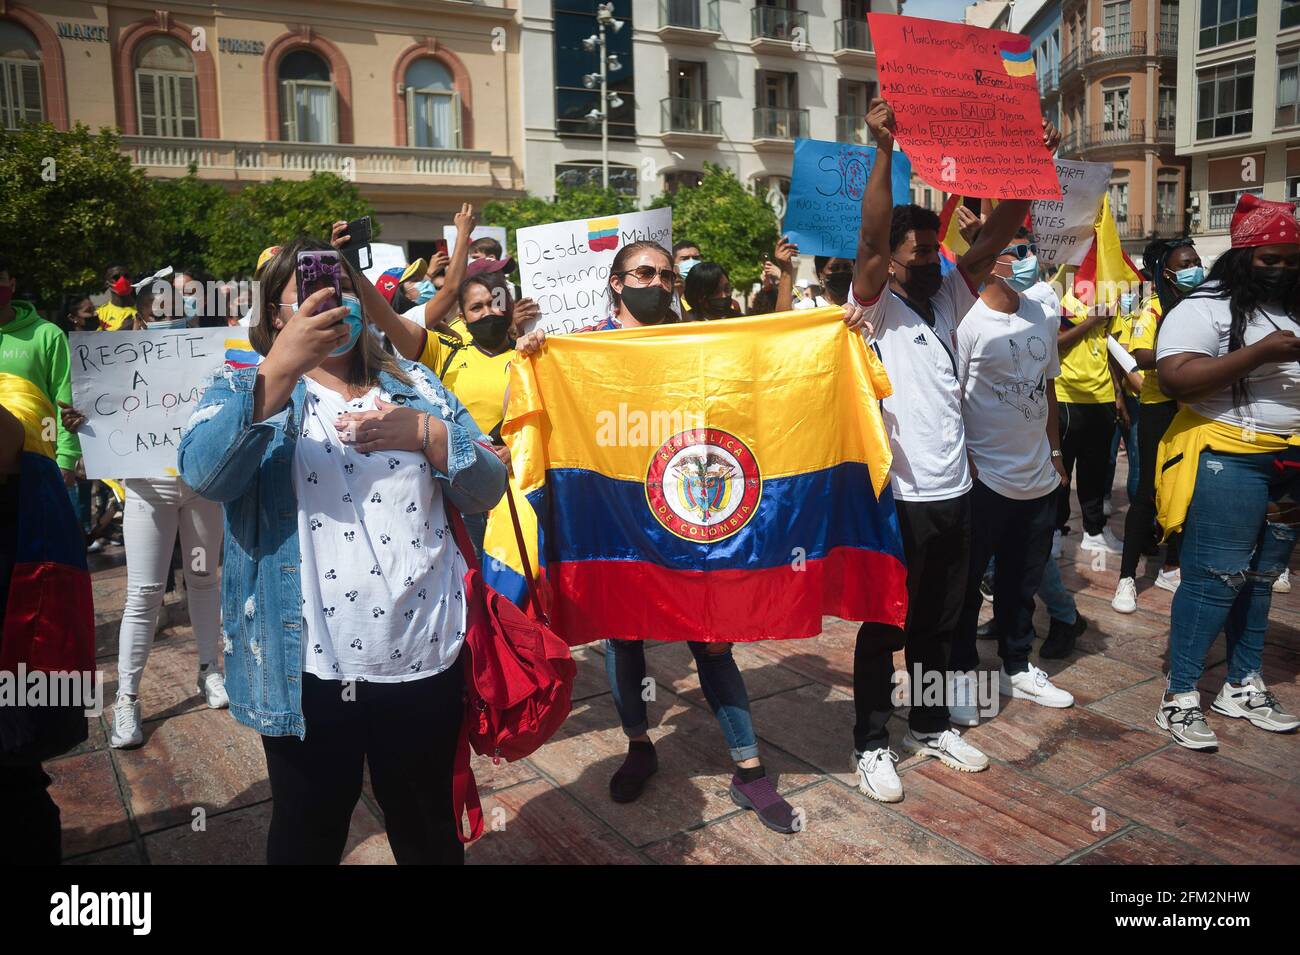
[30,827]
[936,545]
[1018,536]
[1086,432]
[407,732]
[1153,422]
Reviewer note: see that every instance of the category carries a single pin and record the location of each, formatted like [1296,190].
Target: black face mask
[923,281]
[650,305]
[838,284]
[489,331]
[719,306]
[1276,286]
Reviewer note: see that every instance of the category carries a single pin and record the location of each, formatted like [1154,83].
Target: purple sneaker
[762,797]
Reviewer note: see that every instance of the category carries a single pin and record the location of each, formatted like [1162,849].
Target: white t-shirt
[382,577]
[923,415]
[815,302]
[1200,325]
[1044,295]
[1007,362]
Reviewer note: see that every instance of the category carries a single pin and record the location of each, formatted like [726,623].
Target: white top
[415,314]
[923,415]
[1045,295]
[1200,325]
[815,302]
[1007,362]
[382,592]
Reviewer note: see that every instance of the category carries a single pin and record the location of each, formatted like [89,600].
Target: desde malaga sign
[564,266]
[965,103]
[137,391]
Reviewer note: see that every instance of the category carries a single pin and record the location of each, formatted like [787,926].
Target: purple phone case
[318,270]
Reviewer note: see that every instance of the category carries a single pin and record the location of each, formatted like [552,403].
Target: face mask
[489,331]
[923,281]
[1188,279]
[354,322]
[1024,273]
[719,306]
[191,304]
[167,323]
[838,283]
[649,305]
[1276,286]
[685,265]
[1126,302]
[121,285]
[424,291]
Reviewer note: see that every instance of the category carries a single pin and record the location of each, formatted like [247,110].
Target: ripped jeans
[1231,555]
[720,679]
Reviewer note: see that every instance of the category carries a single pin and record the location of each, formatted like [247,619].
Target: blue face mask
[1188,279]
[1126,302]
[1024,273]
[424,291]
[685,265]
[354,322]
[191,304]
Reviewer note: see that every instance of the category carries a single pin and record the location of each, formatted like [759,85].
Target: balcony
[1220,218]
[1169,226]
[1119,46]
[853,129]
[777,128]
[1164,133]
[1129,227]
[1110,135]
[777,30]
[690,122]
[445,171]
[853,43]
[1071,64]
[1167,44]
[693,22]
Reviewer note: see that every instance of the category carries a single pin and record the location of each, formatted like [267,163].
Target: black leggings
[407,732]
[1086,432]
[1153,421]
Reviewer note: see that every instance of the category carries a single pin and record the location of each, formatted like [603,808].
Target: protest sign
[383,257]
[564,266]
[480,232]
[965,103]
[824,213]
[1063,228]
[137,391]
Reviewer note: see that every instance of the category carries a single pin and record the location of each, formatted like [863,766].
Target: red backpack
[518,677]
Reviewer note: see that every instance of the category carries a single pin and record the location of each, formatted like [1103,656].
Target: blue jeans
[1058,601]
[720,679]
[1130,436]
[1230,557]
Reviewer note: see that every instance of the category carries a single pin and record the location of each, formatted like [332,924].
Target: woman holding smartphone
[344,608]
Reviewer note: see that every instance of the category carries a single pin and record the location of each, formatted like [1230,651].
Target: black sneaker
[628,782]
[987,630]
[1060,638]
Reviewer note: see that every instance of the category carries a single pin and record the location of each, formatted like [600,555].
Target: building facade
[731,82]
[1118,101]
[1239,122]
[417,103]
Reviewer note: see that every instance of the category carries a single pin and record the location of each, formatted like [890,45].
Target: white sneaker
[212,686]
[1169,580]
[96,545]
[1056,545]
[964,706]
[1034,685]
[948,748]
[1255,702]
[1183,718]
[127,732]
[1106,509]
[1105,541]
[877,778]
[1283,583]
[1126,596]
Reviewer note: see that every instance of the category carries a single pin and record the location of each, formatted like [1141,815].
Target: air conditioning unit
[1196,201]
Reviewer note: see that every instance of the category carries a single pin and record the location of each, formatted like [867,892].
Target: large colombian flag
[705,481]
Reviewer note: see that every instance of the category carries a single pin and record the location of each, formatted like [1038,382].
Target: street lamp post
[598,41]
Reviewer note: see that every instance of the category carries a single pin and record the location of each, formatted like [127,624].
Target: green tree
[582,202]
[274,212]
[71,204]
[732,226]
[187,208]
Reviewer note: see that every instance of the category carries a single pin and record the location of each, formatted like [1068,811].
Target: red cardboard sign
[965,103]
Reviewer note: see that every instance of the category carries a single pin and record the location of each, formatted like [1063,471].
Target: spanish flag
[723,481]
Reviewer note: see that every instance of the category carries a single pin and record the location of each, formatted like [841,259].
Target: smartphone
[358,243]
[440,245]
[318,270]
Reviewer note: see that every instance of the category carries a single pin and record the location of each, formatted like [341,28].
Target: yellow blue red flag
[722,481]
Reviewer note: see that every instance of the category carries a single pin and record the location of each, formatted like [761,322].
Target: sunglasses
[1021,251]
[645,275]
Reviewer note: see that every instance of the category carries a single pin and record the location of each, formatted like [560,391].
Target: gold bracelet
[424,438]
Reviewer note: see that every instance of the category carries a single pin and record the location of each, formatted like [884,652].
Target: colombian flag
[1017,59]
[951,244]
[602,234]
[723,481]
[1106,271]
[241,354]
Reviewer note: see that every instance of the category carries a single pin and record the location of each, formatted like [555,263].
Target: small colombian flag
[602,234]
[240,353]
[1016,57]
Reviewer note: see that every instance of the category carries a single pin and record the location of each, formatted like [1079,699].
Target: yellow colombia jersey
[1144,336]
[1085,368]
[477,380]
[112,316]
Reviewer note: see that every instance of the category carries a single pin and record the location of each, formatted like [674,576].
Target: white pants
[153,513]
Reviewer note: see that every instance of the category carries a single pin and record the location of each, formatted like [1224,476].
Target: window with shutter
[20,92]
[166,89]
[146,103]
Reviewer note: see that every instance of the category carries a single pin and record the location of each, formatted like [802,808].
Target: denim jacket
[248,466]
